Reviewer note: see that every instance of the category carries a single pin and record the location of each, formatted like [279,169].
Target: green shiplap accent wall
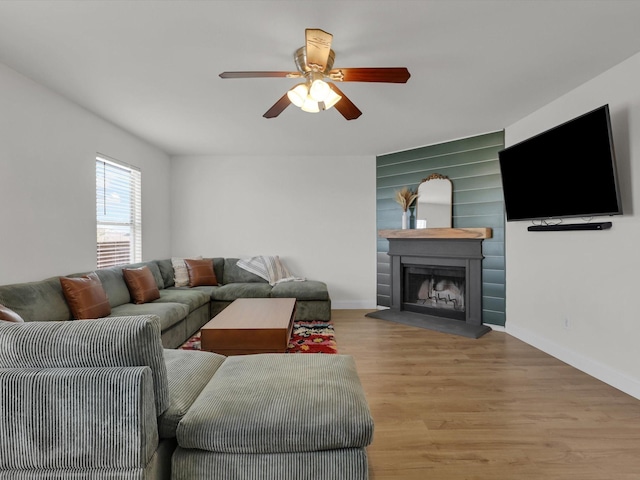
[472,165]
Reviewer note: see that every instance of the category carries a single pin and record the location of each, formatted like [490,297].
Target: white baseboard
[353,305]
[587,365]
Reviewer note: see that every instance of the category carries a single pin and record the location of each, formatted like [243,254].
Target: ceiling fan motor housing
[300,58]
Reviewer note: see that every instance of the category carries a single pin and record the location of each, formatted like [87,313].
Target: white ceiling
[152,67]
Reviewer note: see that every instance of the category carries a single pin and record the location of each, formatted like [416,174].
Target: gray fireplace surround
[437,250]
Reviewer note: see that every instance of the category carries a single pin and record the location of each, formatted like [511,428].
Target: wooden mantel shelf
[453,233]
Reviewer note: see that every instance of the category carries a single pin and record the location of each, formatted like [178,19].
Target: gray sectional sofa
[182,310]
[102,399]
[112,398]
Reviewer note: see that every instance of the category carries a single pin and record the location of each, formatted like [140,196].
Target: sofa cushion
[307,310]
[8,315]
[142,286]
[231,291]
[180,273]
[188,372]
[85,296]
[192,298]
[234,274]
[206,289]
[168,314]
[340,464]
[218,268]
[200,272]
[307,290]
[115,286]
[72,423]
[274,403]
[155,270]
[109,342]
[36,301]
[166,271]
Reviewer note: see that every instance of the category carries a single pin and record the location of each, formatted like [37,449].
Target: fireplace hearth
[436,279]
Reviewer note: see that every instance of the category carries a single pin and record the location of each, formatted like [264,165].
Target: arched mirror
[435,196]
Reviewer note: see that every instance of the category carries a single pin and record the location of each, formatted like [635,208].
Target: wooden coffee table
[250,325]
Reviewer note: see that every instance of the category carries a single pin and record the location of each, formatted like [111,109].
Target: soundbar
[570,226]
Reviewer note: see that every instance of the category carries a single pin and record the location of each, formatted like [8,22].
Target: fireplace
[436,291]
[436,279]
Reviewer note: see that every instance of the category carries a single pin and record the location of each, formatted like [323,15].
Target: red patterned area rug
[307,337]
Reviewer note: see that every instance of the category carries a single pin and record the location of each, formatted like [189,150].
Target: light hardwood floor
[448,407]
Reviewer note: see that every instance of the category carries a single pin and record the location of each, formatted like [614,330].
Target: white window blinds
[118,213]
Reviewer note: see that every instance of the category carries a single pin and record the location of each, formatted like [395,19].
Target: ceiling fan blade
[318,46]
[382,74]
[260,74]
[345,106]
[278,107]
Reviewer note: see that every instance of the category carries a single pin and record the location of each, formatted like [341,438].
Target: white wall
[47,182]
[317,213]
[574,294]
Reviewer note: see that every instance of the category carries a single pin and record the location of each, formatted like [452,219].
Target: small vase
[404,220]
[412,217]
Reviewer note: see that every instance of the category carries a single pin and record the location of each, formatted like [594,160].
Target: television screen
[566,171]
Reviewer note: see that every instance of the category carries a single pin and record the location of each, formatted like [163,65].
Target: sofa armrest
[110,342]
[77,418]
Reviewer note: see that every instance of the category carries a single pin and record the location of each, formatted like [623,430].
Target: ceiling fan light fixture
[319,90]
[298,94]
[310,105]
[331,99]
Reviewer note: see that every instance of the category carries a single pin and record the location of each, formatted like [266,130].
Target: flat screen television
[566,171]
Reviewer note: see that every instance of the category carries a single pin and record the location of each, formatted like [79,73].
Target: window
[118,213]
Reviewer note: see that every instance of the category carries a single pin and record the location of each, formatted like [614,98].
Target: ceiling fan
[314,62]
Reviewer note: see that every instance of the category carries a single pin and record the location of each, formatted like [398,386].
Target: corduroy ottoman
[277,416]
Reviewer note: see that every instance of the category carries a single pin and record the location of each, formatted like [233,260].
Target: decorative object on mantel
[434,202]
[405,199]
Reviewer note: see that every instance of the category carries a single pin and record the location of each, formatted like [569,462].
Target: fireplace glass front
[436,290]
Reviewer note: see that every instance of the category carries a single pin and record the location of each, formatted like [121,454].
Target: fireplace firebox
[436,279]
[437,291]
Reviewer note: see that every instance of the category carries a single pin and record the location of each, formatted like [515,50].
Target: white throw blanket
[270,268]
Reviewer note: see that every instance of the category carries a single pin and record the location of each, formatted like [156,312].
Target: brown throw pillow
[85,296]
[9,315]
[201,272]
[141,284]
